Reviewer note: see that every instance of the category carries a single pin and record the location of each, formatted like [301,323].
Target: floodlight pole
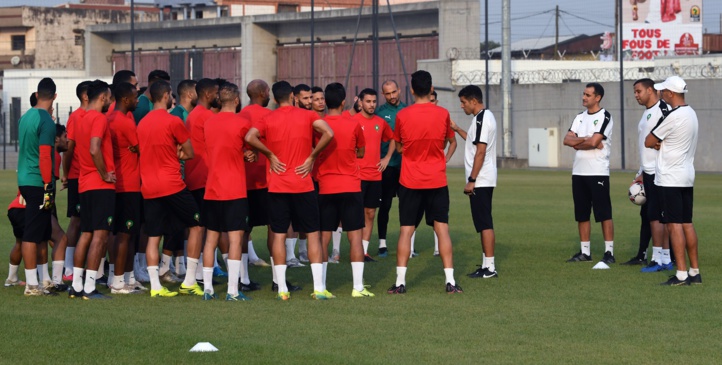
[375,43]
[313,42]
[132,35]
[486,46]
[506,78]
[621,80]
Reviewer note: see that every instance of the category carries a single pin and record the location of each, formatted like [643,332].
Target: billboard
[655,28]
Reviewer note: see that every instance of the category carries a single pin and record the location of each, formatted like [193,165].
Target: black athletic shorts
[73,199]
[371,193]
[159,212]
[226,215]
[17,220]
[415,203]
[481,208]
[98,207]
[127,213]
[390,182]
[677,204]
[258,208]
[591,192]
[198,195]
[653,206]
[346,208]
[38,228]
[299,208]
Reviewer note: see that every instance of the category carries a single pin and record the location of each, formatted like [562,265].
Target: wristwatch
[471,179]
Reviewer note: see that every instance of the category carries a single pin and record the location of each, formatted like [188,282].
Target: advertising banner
[654,28]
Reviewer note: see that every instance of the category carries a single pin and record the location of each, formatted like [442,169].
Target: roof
[536,43]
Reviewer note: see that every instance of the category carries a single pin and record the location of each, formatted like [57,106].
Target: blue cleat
[218,272]
[653,267]
[667,267]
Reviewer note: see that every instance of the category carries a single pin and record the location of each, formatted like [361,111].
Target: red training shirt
[123,133]
[75,116]
[196,168]
[423,130]
[338,167]
[288,132]
[376,130]
[256,171]
[93,125]
[159,137]
[225,133]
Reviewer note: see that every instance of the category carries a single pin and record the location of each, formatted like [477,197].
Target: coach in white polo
[676,139]
[480,165]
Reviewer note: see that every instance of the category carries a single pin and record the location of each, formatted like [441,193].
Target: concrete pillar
[97,51]
[258,53]
[459,27]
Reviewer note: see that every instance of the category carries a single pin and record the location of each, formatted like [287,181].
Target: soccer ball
[636,194]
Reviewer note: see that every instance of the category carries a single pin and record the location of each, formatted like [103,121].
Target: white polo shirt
[675,160]
[650,118]
[593,162]
[482,130]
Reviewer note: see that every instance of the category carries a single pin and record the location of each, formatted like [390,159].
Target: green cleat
[195,289]
[362,294]
[238,298]
[319,295]
[284,296]
[163,292]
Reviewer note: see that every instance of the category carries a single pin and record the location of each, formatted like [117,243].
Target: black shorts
[653,206]
[415,203]
[17,220]
[371,193]
[160,211]
[198,195]
[346,208]
[481,208]
[127,213]
[677,204]
[38,228]
[258,209]
[73,199]
[390,182]
[98,207]
[226,215]
[591,192]
[299,208]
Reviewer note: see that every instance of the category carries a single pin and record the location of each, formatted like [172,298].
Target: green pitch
[540,310]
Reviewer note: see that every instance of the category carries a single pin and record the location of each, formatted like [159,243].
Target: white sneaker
[127,289]
[294,263]
[47,284]
[260,262]
[33,291]
[303,256]
[335,257]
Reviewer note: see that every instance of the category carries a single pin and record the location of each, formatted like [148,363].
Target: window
[199,14]
[287,8]
[18,43]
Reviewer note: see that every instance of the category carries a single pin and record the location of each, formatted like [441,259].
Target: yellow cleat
[362,294]
[195,289]
[163,292]
[284,296]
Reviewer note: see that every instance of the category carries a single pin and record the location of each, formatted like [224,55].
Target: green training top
[144,107]
[36,129]
[388,113]
[180,112]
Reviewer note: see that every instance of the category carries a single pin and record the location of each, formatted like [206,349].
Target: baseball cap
[674,84]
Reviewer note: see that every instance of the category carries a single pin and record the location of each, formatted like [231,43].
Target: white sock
[198,268]
[586,248]
[225,259]
[609,247]
[243,270]
[111,273]
[78,279]
[325,266]
[129,277]
[234,269]
[280,271]
[336,238]
[90,276]
[252,256]
[682,275]
[489,263]
[118,281]
[43,275]
[290,249]
[190,278]
[436,243]
[31,276]
[413,238]
[154,278]
[382,243]
[450,276]
[273,271]
[366,246]
[657,254]
[208,280]
[180,265]
[303,245]
[357,269]
[13,272]
[164,264]
[317,273]
[101,268]
[666,259]
[483,261]
[400,275]
[69,252]
[693,272]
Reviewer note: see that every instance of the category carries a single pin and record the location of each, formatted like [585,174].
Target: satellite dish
[15,60]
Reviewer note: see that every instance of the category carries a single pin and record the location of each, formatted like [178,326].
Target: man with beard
[144,103]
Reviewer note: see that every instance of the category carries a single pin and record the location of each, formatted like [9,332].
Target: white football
[636,194]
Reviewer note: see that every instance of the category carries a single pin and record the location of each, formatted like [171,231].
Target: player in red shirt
[288,134]
[226,203]
[163,140]
[340,198]
[127,186]
[422,132]
[96,185]
[376,130]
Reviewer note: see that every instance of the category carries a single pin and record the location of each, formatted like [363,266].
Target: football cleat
[368,258]
[697,279]
[95,295]
[319,295]
[163,292]
[636,261]
[652,267]
[238,298]
[260,262]
[383,252]
[289,286]
[303,256]
[479,273]
[194,289]
[580,257]
[335,257]
[170,278]
[251,286]
[16,282]
[209,296]
[284,296]
[294,263]
[218,272]
[608,258]
[72,294]
[33,291]
[362,294]
[401,289]
[674,281]
[453,289]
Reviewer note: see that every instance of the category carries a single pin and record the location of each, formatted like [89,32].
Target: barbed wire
[708,71]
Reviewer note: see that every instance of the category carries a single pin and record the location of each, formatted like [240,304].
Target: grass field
[541,310]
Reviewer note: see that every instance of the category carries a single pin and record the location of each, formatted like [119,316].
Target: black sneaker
[697,279]
[72,294]
[401,289]
[673,281]
[291,287]
[368,258]
[479,273]
[103,280]
[58,288]
[488,274]
[453,289]
[608,258]
[95,295]
[383,252]
[580,257]
[251,286]
[636,261]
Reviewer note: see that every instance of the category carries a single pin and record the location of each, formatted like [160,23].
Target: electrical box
[543,147]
